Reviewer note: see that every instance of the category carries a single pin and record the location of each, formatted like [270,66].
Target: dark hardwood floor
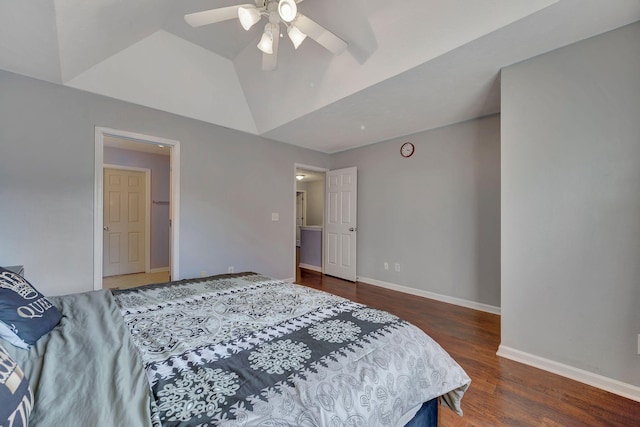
[502,392]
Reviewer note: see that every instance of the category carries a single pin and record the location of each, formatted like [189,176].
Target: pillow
[25,314]
[15,393]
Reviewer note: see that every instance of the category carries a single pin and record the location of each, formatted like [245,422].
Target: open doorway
[309,223]
[136,193]
[136,209]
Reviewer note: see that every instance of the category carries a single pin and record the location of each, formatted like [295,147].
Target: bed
[234,350]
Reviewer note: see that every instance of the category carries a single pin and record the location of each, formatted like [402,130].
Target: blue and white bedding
[86,371]
[247,350]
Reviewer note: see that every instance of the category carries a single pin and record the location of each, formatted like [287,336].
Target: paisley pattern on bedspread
[240,351]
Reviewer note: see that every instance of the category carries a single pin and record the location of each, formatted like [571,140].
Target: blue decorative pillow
[25,314]
[15,393]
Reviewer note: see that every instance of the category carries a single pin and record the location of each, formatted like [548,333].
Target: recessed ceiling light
[160,145]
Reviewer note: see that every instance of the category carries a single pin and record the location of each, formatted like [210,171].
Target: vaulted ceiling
[411,65]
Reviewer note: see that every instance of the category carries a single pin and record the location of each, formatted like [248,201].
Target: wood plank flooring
[126,281]
[502,392]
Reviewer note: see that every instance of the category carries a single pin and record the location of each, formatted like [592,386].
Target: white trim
[174,267]
[605,383]
[100,133]
[97,211]
[295,189]
[311,267]
[147,208]
[159,270]
[432,295]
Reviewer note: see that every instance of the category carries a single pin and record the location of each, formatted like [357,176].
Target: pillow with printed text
[25,314]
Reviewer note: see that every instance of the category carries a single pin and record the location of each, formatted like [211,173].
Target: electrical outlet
[397,267]
[386,265]
[203,274]
[275,216]
[230,269]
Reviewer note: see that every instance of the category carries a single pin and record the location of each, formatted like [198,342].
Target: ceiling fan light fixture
[248,16]
[266,42]
[299,177]
[287,9]
[296,36]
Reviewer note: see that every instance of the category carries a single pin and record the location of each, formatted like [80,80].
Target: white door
[124,237]
[340,234]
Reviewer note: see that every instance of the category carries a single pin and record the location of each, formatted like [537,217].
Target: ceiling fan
[278,12]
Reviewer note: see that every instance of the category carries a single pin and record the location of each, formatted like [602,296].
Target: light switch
[275,216]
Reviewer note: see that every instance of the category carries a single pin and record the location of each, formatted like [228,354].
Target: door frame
[304,206]
[174,145]
[297,166]
[304,209]
[147,209]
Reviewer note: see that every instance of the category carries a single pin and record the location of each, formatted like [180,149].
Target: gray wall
[571,205]
[230,184]
[311,247]
[315,200]
[160,191]
[436,213]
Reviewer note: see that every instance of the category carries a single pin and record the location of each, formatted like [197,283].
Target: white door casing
[340,223]
[125,221]
[301,214]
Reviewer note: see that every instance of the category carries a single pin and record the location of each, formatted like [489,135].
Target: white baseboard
[431,295]
[614,386]
[310,267]
[159,270]
[289,280]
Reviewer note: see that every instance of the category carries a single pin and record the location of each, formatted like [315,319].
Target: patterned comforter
[247,350]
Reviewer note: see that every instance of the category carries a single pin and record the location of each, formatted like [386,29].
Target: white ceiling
[411,65]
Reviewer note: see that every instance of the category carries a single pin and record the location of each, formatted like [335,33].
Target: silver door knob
[105,228]
[353,229]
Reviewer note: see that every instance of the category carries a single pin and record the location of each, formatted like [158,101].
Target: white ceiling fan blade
[212,16]
[270,61]
[321,35]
